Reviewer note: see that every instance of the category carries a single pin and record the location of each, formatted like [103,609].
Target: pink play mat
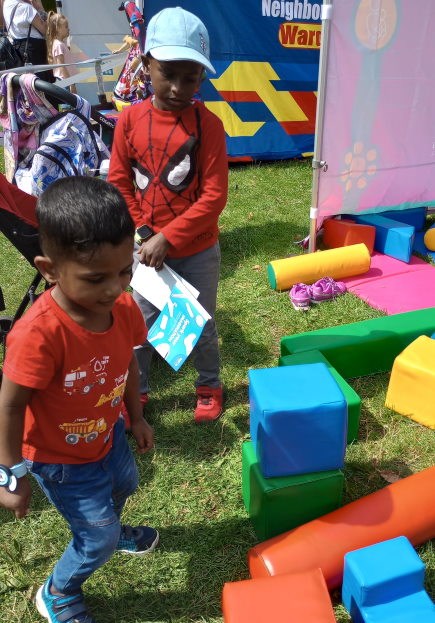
[394,286]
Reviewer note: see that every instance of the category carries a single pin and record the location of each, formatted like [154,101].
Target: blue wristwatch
[9,475]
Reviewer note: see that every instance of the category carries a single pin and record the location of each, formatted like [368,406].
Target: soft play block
[414,608]
[411,390]
[381,572]
[293,429]
[404,508]
[364,347]
[344,232]
[414,216]
[276,505]
[297,597]
[350,395]
[385,582]
[308,268]
[392,237]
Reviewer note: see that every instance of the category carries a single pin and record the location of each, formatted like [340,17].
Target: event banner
[266,55]
[379,116]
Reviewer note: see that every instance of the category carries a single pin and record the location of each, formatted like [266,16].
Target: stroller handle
[64,96]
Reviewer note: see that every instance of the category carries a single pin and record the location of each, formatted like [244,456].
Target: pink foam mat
[394,286]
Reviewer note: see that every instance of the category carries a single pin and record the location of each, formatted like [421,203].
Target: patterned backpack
[68,146]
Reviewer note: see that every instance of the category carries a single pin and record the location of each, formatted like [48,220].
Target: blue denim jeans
[202,271]
[90,497]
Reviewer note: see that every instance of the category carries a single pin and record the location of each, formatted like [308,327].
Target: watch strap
[19,470]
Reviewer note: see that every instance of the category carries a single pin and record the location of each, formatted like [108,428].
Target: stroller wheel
[5,325]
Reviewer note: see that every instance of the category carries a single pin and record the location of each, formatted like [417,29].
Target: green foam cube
[276,505]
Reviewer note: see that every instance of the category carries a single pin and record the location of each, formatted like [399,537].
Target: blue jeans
[202,271]
[90,497]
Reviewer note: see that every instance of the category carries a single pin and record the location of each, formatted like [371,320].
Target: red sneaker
[209,405]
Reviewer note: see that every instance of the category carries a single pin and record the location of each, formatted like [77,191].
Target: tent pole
[318,164]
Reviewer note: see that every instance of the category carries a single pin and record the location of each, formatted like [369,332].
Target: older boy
[169,161]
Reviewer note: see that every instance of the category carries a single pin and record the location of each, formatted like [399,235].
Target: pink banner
[379,118]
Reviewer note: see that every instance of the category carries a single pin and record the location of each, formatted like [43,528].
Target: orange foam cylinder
[296,597]
[343,232]
[308,268]
[404,508]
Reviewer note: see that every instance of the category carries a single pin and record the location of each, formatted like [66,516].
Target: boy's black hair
[77,214]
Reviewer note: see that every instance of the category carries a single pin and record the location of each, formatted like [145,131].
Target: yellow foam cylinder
[336,263]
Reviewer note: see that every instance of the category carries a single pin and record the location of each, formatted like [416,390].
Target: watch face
[5,476]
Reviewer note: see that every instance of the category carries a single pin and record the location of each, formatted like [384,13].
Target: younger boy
[69,365]
[169,161]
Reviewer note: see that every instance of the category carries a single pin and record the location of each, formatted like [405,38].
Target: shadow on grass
[363,478]
[237,349]
[275,240]
[216,553]
[370,428]
[181,436]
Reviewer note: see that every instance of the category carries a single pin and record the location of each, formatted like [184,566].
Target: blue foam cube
[384,583]
[381,573]
[414,608]
[412,216]
[298,419]
[393,238]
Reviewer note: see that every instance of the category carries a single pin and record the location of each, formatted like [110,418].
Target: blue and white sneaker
[61,608]
[138,540]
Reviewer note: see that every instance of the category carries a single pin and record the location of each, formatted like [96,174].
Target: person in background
[169,161]
[58,51]
[69,364]
[27,31]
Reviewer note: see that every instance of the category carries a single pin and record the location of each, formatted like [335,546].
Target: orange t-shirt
[78,376]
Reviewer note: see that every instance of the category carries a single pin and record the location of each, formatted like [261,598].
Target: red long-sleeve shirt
[172,169]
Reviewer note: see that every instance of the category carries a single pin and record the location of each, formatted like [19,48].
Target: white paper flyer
[156,285]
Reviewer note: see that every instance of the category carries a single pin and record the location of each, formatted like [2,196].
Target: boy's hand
[144,435]
[19,501]
[153,251]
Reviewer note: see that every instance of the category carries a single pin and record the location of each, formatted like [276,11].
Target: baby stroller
[42,144]
[17,205]
[18,224]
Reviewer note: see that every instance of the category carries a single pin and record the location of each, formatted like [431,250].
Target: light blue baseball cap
[174,34]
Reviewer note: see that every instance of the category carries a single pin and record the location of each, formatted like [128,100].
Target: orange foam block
[404,508]
[297,597]
[344,232]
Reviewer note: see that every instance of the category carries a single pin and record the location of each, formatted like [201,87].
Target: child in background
[58,51]
[69,364]
[169,161]
[131,86]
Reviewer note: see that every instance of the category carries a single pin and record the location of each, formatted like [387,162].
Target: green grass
[191,484]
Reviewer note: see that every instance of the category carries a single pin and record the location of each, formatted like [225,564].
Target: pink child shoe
[326,289]
[300,296]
